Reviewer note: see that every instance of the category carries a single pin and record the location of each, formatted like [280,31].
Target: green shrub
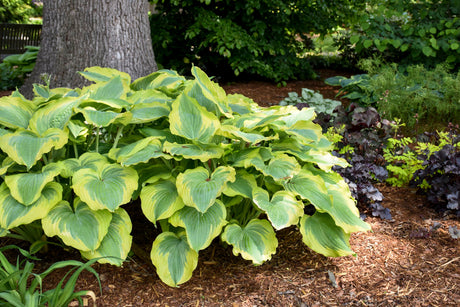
[418,95]
[203,164]
[18,11]
[229,38]
[407,32]
[15,68]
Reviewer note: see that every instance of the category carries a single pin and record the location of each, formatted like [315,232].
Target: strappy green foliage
[203,164]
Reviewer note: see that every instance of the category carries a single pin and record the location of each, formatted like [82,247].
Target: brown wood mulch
[402,262]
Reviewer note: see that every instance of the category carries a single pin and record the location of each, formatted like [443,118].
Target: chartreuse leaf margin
[201,166]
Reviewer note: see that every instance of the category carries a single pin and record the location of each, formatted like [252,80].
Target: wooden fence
[14,37]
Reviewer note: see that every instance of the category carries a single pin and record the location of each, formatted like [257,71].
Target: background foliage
[406,32]
[227,38]
[18,11]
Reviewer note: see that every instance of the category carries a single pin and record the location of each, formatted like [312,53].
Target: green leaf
[333,198]
[138,152]
[194,151]
[454,46]
[78,227]
[104,118]
[13,213]
[256,241]
[26,147]
[104,74]
[201,228]
[6,163]
[244,185]
[354,39]
[116,244]
[427,50]
[283,210]
[199,189]
[321,234]
[15,112]
[367,43]
[167,81]
[106,188]
[160,200]
[209,94]
[55,114]
[26,188]
[173,258]
[192,121]
[92,160]
[282,167]
[149,112]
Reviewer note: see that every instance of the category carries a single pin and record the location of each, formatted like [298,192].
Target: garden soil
[401,262]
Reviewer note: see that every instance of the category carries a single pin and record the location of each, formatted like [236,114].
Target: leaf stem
[97,139]
[118,136]
[75,149]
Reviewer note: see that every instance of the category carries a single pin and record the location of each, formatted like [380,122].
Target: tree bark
[83,33]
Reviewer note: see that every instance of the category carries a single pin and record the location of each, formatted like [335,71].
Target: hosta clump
[440,178]
[203,164]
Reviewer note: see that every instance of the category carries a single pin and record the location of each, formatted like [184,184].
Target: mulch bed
[400,263]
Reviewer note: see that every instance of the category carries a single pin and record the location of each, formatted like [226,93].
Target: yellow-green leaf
[79,227]
[26,147]
[173,258]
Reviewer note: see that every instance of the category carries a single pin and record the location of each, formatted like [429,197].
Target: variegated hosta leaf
[77,131]
[194,151]
[241,104]
[319,156]
[282,167]
[283,210]
[198,189]
[78,227]
[296,115]
[260,119]
[160,200]
[209,94]
[256,241]
[104,118]
[104,74]
[116,244]
[232,132]
[151,173]
[55,114]
[15,112]
[201,228]
[109,187]
[173,258]
[6,163]
[138,152]
[244,185]
[13,213]
[342,208]
[163,134]
[92,160]
[251,157]
[26,188]
[192,121]
[26,147]
[168,81]
[111,93]
[148,112]
[306,132]
[321,234]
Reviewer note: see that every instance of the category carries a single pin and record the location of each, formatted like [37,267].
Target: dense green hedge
[227,38]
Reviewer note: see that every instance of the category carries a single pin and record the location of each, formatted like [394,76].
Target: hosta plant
[203,164]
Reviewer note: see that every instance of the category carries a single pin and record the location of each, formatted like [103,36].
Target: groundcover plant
[203,164]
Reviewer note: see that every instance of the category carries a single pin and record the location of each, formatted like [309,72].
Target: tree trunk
[82,33]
